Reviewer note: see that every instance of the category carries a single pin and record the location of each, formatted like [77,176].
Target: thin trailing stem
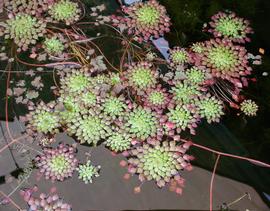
[212,182]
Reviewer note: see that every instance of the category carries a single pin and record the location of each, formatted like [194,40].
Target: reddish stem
[11,201]
[212,183]
[230,155]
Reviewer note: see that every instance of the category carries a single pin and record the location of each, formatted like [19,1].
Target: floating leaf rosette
[24,29]
[146,19]
[182,117]
[119,141]
[140,76]
[54,45]
[143,124]
[71,108]
[249,107]
[75,81]
[228,25]
[157,98]
[58,163]
[197,47]
[114,107]
[34,7]
[184,92]
[178,57]
[90,126]
[159,162]
[88,98]
[210,108]
[65,11]
[47,202]
[87,172]
[225,60]
[43,119]
[195,75]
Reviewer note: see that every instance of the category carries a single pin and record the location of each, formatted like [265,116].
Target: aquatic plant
[225,60]
[249,107]
[87,171]
[178,56]
[47,202]
[65,11]
[75,81]
[197,47]
[34,7]
[42,119]
[182,117]
[228,25]
[90,126]
[143,124]
[88,98]
[114,78]
[156,98]
[184,92]
[119,141]
[54,46]
[140,76]
[71,108]
[57,164]
[195,75]
[210,108]
[24,30]
[159,162]
[136,103]
[147,19]
[114,106]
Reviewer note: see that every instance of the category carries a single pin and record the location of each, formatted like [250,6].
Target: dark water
[248,137]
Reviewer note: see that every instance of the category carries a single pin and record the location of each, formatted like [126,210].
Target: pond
[84,92]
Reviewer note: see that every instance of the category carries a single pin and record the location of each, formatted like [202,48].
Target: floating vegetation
[224,60]
[90,126]
[65,10]
[229,26]
[210,108]
[158,162]
[249,107]
[87,171]
[24,29]
[119,141]
[178,56]
[137,103]
[43,119]
[46,202]
[141,76]
[58,163]
[145,19]
[54,45]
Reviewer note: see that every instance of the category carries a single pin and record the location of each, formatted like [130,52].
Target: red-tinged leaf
[170,125]
[179,191]
[53,189]
[235,97]
[126,176]
[261,50]
[137,189]
[33,55]
[113,154]
[172,188]
[233,105]
[123,163]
